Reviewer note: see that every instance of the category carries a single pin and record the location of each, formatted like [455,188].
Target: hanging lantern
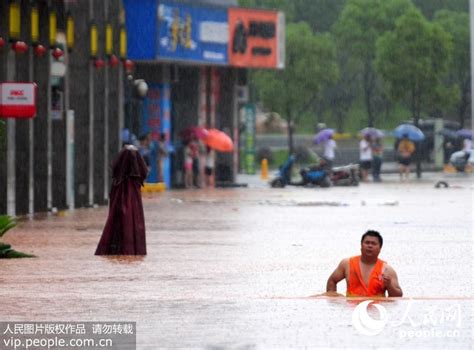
[128,65]
[40,50]
[52,28]
[2,43]
[57,53]
[113,61]
[94,40]
[70,32]
[99,63]
[14,23]
[34,25]
[123,43]
[109,34]
[19,47]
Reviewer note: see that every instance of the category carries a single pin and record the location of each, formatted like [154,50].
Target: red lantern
[40,50]
[2,43]
[113,61]
[19,47]
[128,65]
[99,63]
[57,53]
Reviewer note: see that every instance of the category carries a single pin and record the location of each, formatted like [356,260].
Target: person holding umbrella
[376,136]
[325,137]
[406,148]
[329,147]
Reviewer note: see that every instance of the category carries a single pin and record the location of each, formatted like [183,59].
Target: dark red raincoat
[124,231]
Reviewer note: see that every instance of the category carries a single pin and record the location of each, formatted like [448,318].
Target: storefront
[200,54]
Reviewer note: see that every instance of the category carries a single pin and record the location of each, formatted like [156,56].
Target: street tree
[456,24]
[412,59]
[361,23]
[310,66]
[287,6]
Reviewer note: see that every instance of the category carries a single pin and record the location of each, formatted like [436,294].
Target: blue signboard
[157,122]
[192,33]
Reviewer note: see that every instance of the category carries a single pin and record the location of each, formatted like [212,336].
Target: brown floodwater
[235,268]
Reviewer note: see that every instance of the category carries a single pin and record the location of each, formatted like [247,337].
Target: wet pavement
[234,268]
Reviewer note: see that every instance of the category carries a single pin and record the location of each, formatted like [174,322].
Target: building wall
[3,141]
[79,96]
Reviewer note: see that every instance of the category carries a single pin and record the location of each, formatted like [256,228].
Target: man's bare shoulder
[390,269]
[344,264]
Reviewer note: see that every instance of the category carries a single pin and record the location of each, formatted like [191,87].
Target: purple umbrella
[465,133]
[372,132]
[323,135]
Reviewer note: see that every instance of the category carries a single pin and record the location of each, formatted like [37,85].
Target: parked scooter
[459,160]
[317,175]
[346,175]
[283,177]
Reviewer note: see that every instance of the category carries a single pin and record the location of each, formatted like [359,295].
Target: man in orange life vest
[366,274]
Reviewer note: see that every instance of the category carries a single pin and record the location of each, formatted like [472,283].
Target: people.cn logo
[365,324]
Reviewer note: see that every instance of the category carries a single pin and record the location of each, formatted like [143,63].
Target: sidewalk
[389,175]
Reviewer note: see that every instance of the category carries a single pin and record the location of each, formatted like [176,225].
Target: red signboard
[256,38]
[18,100]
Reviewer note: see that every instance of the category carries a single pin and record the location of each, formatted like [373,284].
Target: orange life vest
[356,285]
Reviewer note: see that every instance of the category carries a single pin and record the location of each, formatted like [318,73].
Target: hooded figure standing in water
[124,231]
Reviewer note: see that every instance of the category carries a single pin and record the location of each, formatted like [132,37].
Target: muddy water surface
[234,268]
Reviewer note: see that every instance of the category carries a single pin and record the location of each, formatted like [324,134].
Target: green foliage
[360,25]
[280,156]
[412,60]
[319,14]
[6,252]
[456,24]
[429,7]
[6,223]
[310,65]
[287,6]
[362,95]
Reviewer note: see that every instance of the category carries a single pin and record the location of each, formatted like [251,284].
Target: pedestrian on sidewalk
[209,168]
[162,154]
[405,149]
[124,231]
[365,156]
[329,148]
[377,158]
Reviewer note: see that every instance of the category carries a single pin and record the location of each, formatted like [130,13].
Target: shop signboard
[249,115]
[18,100]
[156,121]
[192,33]
[256,38]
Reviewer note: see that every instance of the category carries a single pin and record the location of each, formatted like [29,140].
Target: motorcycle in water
[461,159]
[346,175]
[317,175]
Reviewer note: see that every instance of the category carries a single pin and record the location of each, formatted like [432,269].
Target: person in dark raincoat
[124,231]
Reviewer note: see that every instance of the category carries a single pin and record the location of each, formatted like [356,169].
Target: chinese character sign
[192,33]
[249,111]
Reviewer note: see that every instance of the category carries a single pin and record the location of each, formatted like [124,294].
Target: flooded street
[234,268]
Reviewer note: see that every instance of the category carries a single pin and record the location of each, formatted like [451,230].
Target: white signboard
[18,100]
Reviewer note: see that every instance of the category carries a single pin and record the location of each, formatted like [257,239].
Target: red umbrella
[193,132]
[219,141]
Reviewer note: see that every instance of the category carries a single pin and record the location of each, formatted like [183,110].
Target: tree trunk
[289,120]
[368,95]
[416,116]
[463,105]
